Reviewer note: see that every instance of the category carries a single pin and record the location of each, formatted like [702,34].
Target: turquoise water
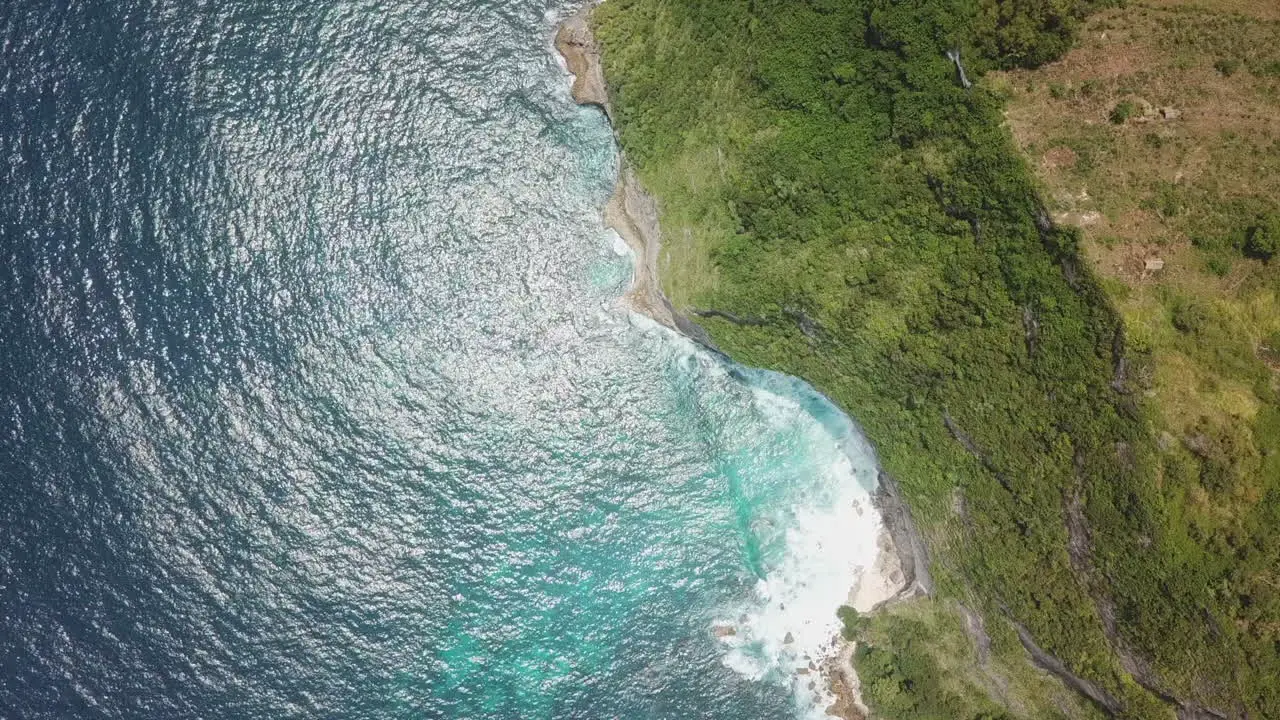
[320,402]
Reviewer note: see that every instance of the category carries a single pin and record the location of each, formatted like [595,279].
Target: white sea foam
[808,485]
[816,547]
[620,246]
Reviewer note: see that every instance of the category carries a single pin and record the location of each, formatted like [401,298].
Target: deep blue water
[317,400]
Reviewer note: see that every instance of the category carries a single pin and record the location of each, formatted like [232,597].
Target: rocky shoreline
[905,543]
[901,570]
[631,212]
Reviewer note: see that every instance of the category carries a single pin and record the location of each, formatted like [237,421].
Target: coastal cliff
[901,568]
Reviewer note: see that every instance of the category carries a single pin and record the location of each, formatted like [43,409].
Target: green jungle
[842,200]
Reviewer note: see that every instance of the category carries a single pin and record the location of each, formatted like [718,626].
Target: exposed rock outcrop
[581,55]
[913,557]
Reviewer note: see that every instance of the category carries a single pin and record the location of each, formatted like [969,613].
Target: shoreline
[900,571]
[630,211]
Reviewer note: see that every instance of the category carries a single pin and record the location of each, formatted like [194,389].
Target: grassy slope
[820,169]
[1185,191]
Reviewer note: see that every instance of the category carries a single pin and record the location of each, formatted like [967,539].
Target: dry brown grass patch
[1144,190]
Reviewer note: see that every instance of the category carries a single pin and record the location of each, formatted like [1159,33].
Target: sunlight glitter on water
[319,389]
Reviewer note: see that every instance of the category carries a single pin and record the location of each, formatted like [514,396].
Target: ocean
[319,400]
